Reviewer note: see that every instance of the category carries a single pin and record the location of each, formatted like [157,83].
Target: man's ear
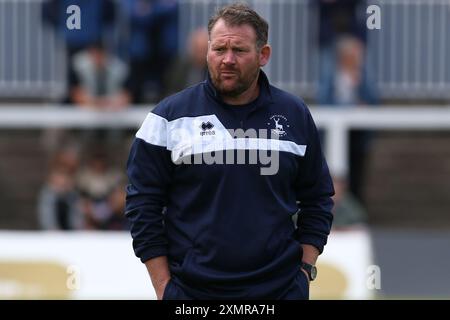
[264,55]
[207,51]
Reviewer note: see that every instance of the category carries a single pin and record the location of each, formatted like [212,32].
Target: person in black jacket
[215,226]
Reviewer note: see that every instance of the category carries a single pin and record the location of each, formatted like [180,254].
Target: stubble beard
[242,83]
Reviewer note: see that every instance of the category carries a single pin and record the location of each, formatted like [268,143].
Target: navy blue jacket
[227,229]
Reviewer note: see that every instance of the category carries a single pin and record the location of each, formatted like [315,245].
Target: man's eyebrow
[236,44]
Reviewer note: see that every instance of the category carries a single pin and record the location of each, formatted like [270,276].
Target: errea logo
[207,129]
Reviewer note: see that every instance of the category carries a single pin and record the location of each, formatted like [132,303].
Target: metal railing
[407,57]
[337,123]
[409,54]
[32,60]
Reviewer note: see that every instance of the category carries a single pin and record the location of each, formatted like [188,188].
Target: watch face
[313,272]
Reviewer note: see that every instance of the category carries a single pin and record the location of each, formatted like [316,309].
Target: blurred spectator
[58,201]
[99,185]
[192,69]
[337,18]
[152,45]
[116,202]
[98,79]
[97,16]
[348,212]
[349,85]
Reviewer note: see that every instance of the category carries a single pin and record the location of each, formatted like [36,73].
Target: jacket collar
[265,94]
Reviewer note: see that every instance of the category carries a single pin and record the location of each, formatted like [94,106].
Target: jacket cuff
[314,240]
[152,252]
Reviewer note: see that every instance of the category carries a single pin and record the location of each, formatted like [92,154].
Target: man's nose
[229,57]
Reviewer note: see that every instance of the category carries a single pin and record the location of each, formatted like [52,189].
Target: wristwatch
[310,269]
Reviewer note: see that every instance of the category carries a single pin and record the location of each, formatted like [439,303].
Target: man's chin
[229,88]
[230,92]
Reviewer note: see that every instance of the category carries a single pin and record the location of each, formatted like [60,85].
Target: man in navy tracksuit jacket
[224,229]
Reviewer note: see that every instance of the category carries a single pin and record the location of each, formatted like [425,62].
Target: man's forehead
[237,33]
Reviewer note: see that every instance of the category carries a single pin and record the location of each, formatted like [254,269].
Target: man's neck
[246,97]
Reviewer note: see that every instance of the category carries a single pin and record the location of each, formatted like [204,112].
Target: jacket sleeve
[149,169]
[314,192]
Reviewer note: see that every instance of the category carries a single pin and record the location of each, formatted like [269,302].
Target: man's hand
[310,254]
[158,269]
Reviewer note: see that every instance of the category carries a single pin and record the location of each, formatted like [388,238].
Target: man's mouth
[228,72]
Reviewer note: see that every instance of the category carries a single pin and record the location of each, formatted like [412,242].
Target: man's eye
[219,49]
[239,50]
